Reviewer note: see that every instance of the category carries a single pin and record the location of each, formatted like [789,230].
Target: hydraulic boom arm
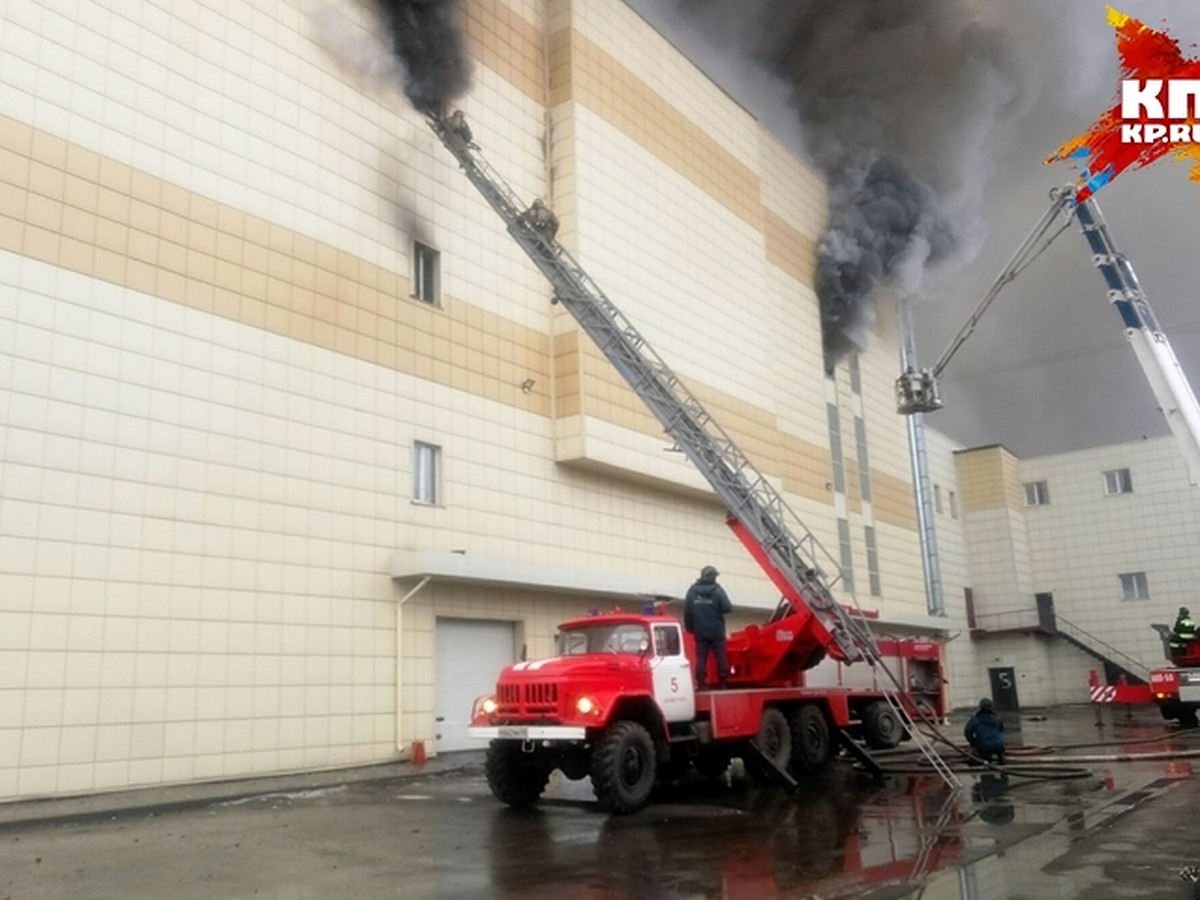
[918,391]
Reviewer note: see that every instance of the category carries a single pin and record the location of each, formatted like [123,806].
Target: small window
[426,467]
[937,498]
[666,640]
[953,505]
[425,273]
[1037,494]
[1118,481]
[1133,586]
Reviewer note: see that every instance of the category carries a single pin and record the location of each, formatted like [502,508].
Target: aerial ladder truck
[617,702]
[1175,689]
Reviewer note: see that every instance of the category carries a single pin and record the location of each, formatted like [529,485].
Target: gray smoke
[902,105]
[430,45]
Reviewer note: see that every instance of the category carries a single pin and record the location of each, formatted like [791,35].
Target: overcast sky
[1048,369]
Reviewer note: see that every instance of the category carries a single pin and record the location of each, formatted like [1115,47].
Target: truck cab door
[674,687]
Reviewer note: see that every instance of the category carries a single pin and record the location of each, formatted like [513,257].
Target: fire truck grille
[528,699]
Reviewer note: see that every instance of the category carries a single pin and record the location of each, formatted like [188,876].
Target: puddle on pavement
[843,835]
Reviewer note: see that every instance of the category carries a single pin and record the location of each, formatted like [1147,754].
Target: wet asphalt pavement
[1124,830]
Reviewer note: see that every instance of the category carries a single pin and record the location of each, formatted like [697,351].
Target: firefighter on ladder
[1183,632]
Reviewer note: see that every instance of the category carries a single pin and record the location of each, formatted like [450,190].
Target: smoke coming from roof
[902,104]
[430,44]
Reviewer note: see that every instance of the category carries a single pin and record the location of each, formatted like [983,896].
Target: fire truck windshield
[603,638]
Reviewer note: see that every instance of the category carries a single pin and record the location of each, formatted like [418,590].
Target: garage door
[470,654]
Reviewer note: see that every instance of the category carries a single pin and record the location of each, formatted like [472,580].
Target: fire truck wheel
[811,741]
[515,777]
[881,727]
[623,767]
[774,741]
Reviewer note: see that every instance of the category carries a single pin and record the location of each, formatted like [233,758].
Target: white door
[470,655]
[673,687]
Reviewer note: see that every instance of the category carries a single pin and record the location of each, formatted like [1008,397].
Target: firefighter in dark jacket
[704,611]
[1183,633]
[984,731]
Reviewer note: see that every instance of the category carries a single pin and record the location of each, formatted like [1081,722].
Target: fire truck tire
[881,727]
[623,767]
[812,743]
[515,777]
[774,740]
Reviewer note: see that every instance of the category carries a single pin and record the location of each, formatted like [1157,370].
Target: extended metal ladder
[749,496]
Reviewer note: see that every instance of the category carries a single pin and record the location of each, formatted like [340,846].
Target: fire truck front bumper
[528,732]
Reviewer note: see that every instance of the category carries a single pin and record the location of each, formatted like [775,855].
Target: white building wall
[1083,539]
[207,429]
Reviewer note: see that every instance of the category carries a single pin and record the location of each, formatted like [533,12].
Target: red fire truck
[617,700]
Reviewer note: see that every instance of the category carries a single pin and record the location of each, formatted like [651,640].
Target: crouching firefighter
[984,731]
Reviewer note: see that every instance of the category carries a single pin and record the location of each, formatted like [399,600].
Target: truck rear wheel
[515,777]
[774,741]
[811,741]
[881,727]
[623,768]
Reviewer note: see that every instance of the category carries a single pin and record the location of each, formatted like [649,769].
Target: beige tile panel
[989,478]
[803,468]
[73,208]
[789,249]
[893,500]
[568,390]
[507,44]
[582,71]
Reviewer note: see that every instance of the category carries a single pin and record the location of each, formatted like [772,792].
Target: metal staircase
[751,499]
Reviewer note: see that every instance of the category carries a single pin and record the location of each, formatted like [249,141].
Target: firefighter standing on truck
[1183,633]
[704,611]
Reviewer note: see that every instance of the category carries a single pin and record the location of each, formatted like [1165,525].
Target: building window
[425,273]
[953,505]
[427,473]
[1037,494]
[937,498]
[1133,586]
[847,554]
[873,562]
[855,374]
[864,464]
[1118,481]
[835,448]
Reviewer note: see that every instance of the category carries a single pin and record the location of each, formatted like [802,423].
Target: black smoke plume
[901,104]
[432,48]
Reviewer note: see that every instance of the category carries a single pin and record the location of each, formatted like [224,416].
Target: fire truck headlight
[489,705]
[585,705]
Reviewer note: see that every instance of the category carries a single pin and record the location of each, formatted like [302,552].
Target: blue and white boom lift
[918,391]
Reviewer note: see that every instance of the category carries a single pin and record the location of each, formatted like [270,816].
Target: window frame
[1041,493]
[425,256]
[1134,586]
[1121,478]
[434,479]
